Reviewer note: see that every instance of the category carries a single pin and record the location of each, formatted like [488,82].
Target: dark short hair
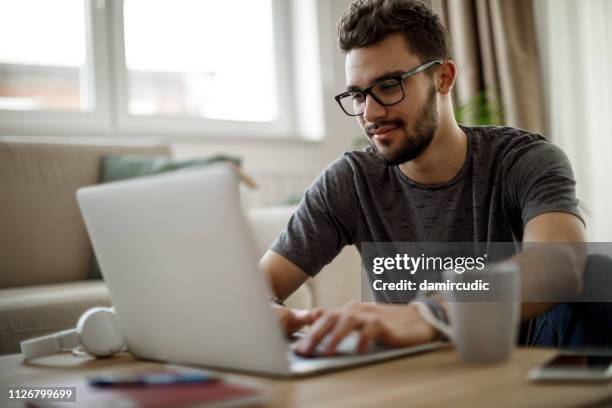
[368,22]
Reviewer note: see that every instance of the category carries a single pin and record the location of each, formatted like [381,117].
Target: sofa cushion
[43,238]
[38,310]
[120,167]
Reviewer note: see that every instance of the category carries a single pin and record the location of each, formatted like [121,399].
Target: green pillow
[121,167]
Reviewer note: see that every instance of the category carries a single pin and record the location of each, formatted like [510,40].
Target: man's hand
[292,320]
[392,325]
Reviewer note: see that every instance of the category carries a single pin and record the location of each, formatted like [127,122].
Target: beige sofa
[45,254]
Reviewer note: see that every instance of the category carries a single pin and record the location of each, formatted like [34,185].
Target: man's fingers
[307,316]
[369,332]
[292,320]
[300,316]
[314,314]
[346,323]
[319,330]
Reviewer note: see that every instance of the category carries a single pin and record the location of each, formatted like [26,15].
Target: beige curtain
[495,49]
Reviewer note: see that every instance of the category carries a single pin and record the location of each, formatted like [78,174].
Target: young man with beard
[423,178]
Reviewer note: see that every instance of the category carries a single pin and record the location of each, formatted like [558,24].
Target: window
[175,67]
[42,56]
[217,71]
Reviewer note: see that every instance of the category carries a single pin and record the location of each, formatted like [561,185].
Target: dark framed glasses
[386,91]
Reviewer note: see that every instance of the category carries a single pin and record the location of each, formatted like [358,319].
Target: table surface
[436,378]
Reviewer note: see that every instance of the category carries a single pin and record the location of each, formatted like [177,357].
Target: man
[423,179]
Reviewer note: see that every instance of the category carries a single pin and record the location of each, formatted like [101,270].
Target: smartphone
[574,367]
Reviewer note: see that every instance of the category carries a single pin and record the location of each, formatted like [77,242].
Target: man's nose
[373,110]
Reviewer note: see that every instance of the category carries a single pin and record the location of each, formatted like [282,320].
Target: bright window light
[204,58]
[42,55]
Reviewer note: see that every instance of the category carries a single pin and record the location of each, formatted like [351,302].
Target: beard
[413,143]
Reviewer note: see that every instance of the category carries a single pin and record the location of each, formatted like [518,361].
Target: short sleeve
[540,180]
[320,227]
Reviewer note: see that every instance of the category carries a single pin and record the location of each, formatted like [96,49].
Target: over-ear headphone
[97,333]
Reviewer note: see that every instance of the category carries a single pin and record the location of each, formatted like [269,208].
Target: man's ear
[445,76]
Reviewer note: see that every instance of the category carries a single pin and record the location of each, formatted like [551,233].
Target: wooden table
[435,379]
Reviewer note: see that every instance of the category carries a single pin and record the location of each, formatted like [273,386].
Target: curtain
[494,46]
[575,39]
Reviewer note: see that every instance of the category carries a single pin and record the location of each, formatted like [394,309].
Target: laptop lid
[180,264]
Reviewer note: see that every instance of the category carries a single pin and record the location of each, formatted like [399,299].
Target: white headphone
[97,333]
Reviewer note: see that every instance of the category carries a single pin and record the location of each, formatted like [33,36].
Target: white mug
[485,324]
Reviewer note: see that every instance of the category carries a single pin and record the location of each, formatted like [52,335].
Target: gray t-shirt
[509,176]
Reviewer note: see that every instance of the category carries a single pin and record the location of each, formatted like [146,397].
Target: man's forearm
[550,274]
[283,276]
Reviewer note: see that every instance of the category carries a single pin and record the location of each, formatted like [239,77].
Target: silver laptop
[180,264]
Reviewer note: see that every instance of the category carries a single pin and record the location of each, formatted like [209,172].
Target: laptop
[180,263]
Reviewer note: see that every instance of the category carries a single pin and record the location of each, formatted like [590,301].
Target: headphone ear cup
[99,332]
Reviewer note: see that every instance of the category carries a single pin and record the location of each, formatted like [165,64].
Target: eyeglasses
[386,91]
